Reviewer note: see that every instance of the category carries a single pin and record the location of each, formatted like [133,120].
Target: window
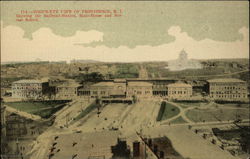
[102,92]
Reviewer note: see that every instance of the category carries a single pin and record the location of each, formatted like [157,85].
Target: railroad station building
[139,89]
[107,89]
[179,90]
[67,90]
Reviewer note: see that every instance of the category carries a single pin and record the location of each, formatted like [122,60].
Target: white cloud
[48,46]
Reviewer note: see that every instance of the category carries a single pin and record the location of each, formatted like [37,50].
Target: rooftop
[179,84]
[225,80]
[119,80]
[104,84]
[111,84]
[29,81]
[139,84]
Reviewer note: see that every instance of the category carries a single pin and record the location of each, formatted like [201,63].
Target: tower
[183,55]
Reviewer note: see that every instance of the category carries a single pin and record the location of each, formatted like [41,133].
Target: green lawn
[43,109]
[197,115]
[237,105]
[167,111]
[178,120]
[190,104]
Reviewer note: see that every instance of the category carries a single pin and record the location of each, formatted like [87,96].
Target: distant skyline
[147,31]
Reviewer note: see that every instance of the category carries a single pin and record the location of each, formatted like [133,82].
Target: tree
[90,77]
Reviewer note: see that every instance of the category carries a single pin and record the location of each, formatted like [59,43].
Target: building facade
[84,90]
[114,89]
[179,90]
[29,89]
[228,89]
[16,126]
[67,90]
[139,89]
[160,88]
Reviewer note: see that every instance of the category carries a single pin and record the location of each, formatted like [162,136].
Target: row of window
[135,92]
[179,92]
[228,96]
[226,92]
[223,84]
[26,87]
[28,84]
[228,88]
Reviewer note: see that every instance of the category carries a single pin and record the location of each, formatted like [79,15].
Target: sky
[145,31]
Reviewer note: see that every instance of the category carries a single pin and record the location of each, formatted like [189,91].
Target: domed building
[183,63]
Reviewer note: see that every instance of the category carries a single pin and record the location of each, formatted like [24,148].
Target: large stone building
[16,126]
[116,88]
[67,90]
[228,89]
[160,88]
[139,89]
[179,90]
[29,89]
[84,90]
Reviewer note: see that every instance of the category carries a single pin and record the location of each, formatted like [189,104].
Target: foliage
[126,71]
[90,77]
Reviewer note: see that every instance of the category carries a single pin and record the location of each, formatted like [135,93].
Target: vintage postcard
[125,80]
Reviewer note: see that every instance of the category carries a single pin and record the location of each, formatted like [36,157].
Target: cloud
[46,45]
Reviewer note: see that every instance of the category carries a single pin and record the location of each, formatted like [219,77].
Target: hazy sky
[146,31]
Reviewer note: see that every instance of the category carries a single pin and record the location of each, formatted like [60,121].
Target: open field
[235,105]
[43,109]
[200,115]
